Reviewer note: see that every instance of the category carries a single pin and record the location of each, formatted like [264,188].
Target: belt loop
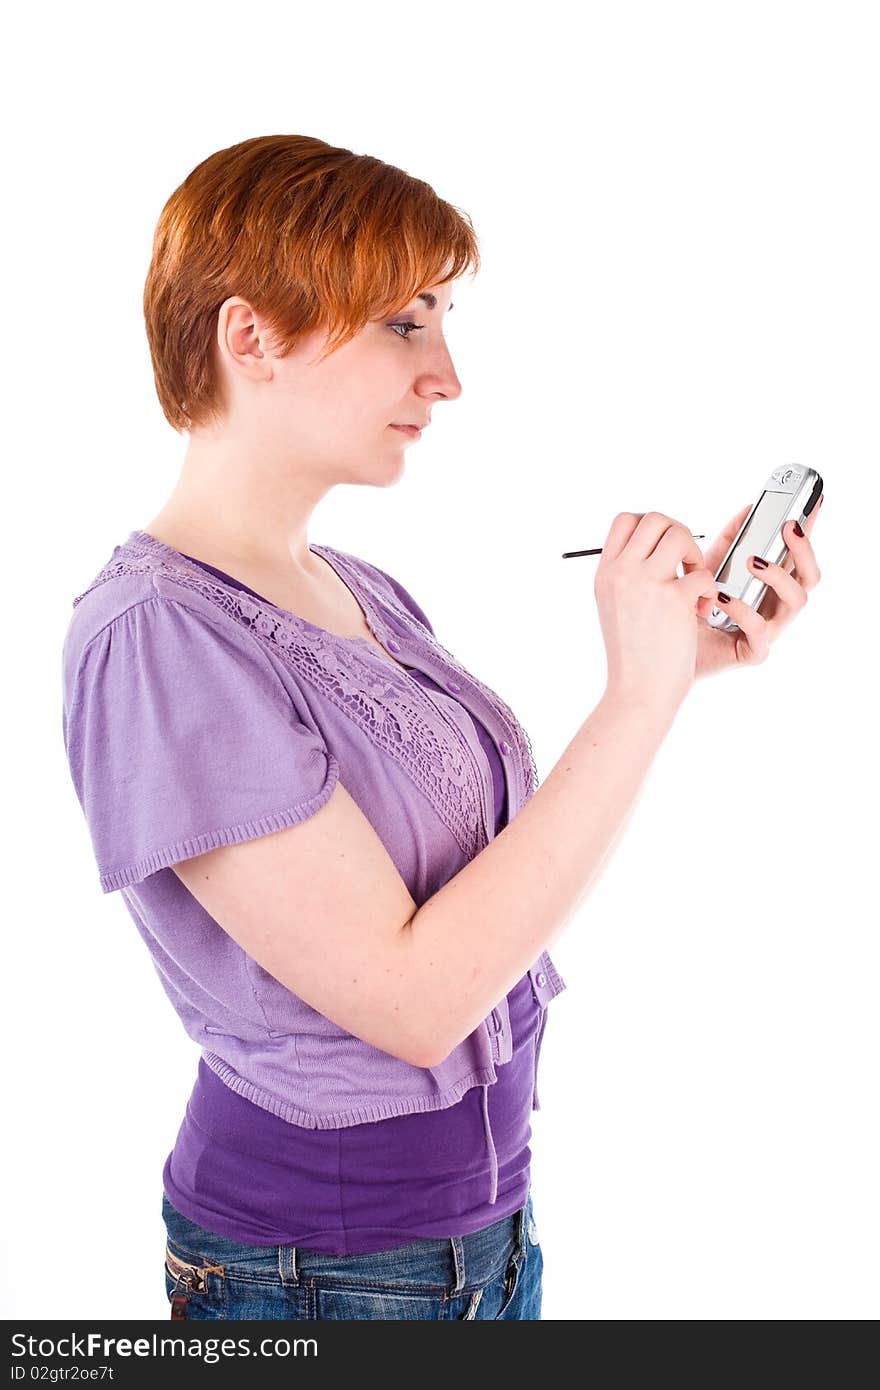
[458,1259]
[287,1264]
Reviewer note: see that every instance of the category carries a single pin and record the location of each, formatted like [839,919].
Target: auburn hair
[310,234]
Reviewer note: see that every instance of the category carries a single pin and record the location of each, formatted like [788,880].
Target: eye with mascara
[409,326]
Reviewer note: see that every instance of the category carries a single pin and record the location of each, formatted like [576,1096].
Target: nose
[441,379]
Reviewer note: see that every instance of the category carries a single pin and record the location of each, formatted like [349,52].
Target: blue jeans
[493,1273]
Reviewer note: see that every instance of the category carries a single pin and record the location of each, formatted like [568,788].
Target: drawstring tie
[493,1184]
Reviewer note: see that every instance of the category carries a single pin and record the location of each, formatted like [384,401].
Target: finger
[618,536]
[716,552]
[801,559]
[788,590]
[660,543]
[752,642]
[789,562]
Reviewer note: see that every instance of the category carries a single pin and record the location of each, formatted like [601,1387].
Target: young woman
[328,832]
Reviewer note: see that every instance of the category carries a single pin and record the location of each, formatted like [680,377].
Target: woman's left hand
[787,587]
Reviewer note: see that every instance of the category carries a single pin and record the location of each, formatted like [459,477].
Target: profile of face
[337,418]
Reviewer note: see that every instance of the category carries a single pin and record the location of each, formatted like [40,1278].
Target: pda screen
[762,526]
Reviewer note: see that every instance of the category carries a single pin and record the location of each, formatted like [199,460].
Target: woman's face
[338,416]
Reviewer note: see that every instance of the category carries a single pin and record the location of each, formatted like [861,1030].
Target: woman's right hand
[650,616]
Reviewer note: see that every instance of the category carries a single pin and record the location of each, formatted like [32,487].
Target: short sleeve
[181,737]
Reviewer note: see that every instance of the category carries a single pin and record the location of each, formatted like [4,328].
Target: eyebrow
[431,299]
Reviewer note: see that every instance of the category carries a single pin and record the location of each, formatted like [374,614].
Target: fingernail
[725,598]
[759,563]
[797,529]
[821,499]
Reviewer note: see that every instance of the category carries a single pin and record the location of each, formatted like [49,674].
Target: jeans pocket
[335,1300]
[511,1282]
[194,1286]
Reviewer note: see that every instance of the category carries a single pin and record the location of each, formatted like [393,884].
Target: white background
[677,207]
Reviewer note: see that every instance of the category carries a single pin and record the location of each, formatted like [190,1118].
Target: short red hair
[311,235]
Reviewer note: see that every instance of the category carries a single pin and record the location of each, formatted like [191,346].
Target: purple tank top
[245,1173]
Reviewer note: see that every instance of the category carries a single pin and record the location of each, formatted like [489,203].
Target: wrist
[641,704]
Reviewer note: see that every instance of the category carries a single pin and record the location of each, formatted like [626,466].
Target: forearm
[470,943]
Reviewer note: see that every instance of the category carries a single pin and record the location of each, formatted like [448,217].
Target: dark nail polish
[797,529]
[821,499]
[725,598]
[758,562]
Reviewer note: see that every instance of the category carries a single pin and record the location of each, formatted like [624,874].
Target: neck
[240,517]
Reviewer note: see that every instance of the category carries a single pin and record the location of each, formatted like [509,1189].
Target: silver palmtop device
[790,491]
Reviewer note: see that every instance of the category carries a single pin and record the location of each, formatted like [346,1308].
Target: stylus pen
[570,554]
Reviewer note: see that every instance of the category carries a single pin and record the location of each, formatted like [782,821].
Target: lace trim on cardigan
[397,712]
[518,736]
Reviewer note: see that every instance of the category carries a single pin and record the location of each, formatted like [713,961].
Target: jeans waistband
[455,1263]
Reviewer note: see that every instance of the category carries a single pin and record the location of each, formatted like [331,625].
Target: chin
[394,468]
